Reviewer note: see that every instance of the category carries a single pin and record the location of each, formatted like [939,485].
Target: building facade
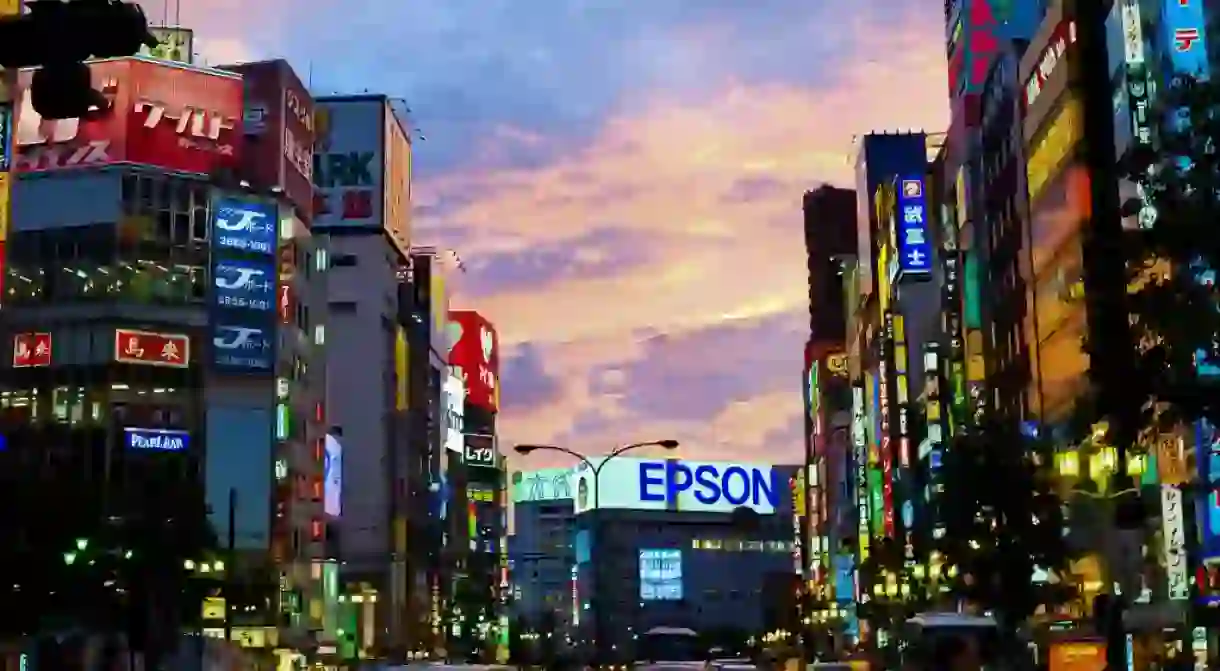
[152,362]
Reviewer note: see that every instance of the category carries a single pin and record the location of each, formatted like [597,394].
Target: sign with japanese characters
[242,346]
[914,244]
[1184,33]
[31,350]
[1174,543]
[149,348]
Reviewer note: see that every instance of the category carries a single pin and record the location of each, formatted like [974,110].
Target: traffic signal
[58,37]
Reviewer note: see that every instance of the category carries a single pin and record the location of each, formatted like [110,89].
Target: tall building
[830,241]
[362,200]
[144,314]
[542,549]
[656,551]
[472,443]
[893,312]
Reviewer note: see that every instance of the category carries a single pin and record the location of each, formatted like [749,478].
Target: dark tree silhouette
[1172,251]
[1003,518]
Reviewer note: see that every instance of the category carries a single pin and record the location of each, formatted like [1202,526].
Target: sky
[622,180]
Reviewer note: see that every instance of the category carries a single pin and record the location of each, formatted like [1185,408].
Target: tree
[1172,253]
[1002,520]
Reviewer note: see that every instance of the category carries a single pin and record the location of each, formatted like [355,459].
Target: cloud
[523,381]
[623,182]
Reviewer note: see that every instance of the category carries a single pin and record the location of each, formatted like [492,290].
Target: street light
[596,468]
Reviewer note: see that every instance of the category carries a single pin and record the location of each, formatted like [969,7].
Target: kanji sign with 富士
[147,348]
[31,350]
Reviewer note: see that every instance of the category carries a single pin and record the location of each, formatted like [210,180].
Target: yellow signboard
[1062,136]
[10,7]
[6,187]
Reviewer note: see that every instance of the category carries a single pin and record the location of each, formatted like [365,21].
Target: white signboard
[1174,533]
[455,408]
[680,485]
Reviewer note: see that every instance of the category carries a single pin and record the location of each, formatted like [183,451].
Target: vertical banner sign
[884,409]
[1185,33]
[914,243]
[1207,458]
[1174,534]
[244,300]
[859,440]
[952,317]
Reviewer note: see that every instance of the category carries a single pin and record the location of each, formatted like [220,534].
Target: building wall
[830,234]
[363,306]
[542,553]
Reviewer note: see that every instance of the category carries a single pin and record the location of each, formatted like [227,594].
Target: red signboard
[476,354]
[167,115]
[147,348]
[278,128]
[31,350]
[287,304]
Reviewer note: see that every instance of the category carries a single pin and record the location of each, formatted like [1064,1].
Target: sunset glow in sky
[623,181]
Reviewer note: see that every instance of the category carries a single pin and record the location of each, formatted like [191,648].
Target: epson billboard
[679,485]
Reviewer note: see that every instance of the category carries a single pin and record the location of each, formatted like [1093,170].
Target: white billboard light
[454,402]
[673,484]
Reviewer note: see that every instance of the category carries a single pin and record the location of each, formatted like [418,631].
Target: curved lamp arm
[557,448]
[667,444]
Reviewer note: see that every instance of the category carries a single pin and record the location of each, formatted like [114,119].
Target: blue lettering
[744,477]
[678,479]
[709,489]
[709,484]
[649,477]
[764,487]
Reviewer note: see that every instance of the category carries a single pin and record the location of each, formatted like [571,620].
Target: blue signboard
[845,578]
[242,345]
[156,440]
[247,285]
[1185,37]
[1207,456]
[244,226]
[6,137]
[914,245]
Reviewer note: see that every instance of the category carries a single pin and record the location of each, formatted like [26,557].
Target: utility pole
[230,555]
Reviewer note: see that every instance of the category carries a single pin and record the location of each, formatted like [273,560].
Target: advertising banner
[6,195]
[31,350]
[914,241]
[546,485]
[661,575]
[149,348]
[156,440]
[240,225]
[1185,29]
[476,356]
[1207,456]
[1173,531]
[349,161]
[480,451]
[455,409]
[6,137]
[332,481]
[240,346]
[245,284]
[398,158]
[679,485]
[173,44]
[244,298]
[277,123]
[177,117]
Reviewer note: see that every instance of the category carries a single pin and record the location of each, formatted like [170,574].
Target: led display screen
[660,575]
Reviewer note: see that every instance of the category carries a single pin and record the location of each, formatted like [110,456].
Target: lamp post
[596,469]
